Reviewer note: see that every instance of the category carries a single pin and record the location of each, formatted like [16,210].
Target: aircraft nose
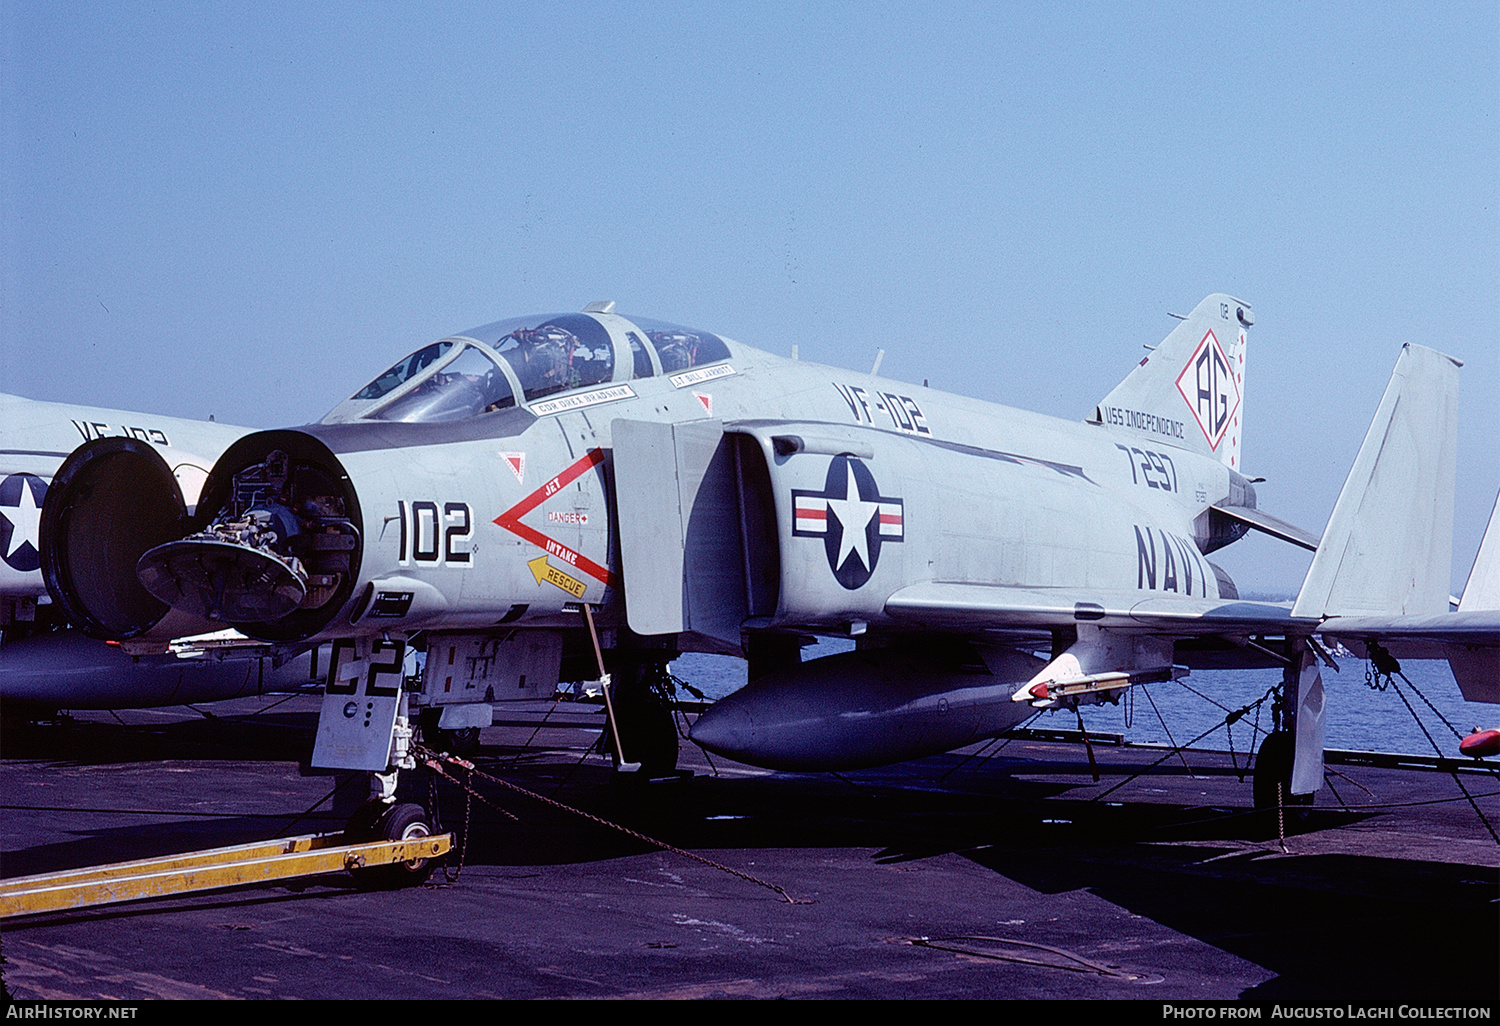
[279,543]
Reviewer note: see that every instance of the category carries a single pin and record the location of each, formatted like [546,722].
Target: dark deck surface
[1009,877]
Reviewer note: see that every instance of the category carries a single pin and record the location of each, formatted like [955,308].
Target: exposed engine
[283,543]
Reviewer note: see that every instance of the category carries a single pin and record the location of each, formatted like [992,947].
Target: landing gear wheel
[460,741]
[647,725]
[463,741]
[376,821]
[1273,767]
[361,825]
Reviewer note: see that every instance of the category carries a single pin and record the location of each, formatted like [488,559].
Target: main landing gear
[1272,784]
[643,717]
[1299,698]
[461,741]
[642,734]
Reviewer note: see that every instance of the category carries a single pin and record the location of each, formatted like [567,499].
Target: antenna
[879,355]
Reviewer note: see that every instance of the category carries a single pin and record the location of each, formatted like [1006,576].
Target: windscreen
[404,370]
[466,386]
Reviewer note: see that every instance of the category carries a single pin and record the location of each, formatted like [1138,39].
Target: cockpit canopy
[518,361]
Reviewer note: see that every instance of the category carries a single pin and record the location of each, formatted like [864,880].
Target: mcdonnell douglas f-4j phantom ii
[493,490]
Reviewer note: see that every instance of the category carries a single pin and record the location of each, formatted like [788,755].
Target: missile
[1098,668]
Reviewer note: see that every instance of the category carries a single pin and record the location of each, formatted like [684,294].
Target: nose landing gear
[378,821]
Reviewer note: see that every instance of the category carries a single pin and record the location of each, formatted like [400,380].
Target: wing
[986,607]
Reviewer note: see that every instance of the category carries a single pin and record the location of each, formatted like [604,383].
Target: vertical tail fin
[1482,591]
[1189,392]
[1476,668]
[1388,546]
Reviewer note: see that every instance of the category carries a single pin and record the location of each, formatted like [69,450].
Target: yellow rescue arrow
[545,571]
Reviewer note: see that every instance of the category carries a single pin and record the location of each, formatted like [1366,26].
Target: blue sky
[247,210]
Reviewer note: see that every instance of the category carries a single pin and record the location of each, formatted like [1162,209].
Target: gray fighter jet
[520,496]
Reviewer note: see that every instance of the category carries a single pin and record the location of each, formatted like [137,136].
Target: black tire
[396,823]
[1273,768]
[362,825]
[462,741]
[649,730]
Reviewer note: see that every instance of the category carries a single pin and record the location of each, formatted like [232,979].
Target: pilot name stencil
[578,402]
[694,377]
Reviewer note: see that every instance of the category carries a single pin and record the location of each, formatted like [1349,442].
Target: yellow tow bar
[261,862]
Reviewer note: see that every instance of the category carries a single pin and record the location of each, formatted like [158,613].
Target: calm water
[1359,718]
